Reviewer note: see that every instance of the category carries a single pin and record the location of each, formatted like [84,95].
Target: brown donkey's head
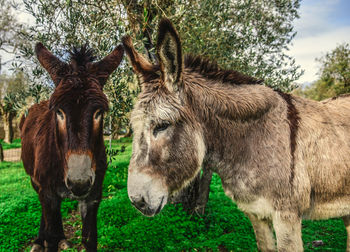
[168,146]
[77,107]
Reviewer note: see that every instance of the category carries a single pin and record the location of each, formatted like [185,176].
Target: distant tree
[13,90]
[334,75]
[11,31]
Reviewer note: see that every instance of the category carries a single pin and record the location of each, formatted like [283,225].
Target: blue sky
[323,25]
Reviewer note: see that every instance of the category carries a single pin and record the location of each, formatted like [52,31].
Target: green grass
[19,207]
[16,143]
[121,227]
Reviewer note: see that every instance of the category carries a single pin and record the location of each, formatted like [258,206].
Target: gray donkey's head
[168,146]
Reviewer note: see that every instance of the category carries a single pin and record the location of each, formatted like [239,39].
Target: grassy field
[121,227]
[16,143]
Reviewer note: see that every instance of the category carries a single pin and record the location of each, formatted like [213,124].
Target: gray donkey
[281,158]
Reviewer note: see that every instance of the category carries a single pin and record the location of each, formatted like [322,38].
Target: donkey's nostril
[69,183]
[139,203]
[79,188]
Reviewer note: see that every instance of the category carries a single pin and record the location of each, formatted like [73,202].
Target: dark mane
[80,84]
[80,57]
[212,71]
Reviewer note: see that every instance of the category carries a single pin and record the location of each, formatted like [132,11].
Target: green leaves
[248,36]
[334,75]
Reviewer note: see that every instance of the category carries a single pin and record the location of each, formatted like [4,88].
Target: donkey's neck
[229,114]
[218,101]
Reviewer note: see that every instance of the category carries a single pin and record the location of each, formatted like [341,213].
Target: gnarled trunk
[8,128]
[1,153]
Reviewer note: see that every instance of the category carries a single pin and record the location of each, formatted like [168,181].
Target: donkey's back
[323,150]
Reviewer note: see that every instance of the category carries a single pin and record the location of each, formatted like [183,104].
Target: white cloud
[316,36]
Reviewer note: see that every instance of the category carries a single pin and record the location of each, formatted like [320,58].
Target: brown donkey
[280,158]
[62,143]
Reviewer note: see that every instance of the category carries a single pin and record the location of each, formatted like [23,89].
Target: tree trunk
[195,196]
[8,128]
[1,153]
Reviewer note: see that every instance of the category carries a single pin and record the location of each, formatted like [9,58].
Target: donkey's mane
[79,83]
[212,71]
[81,56]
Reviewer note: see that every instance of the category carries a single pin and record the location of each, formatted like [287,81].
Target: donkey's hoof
[37,248]
[64,244]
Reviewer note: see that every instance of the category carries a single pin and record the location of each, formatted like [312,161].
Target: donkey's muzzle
[147,193]
[80,176]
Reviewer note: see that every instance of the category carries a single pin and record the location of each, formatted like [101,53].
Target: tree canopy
[334,75]
[248,36]
[12,32]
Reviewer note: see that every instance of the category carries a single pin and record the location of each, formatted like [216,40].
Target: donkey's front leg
[88,211]
[346,220]
[287,227]
[263,233]
[51,229]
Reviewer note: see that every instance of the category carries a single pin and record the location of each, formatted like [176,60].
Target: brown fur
[280,157]
[48,141]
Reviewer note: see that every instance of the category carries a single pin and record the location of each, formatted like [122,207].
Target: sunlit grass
[16,143]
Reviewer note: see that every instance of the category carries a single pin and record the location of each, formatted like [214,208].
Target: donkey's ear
[54,66]
[169,54]
[140,64]
[108,64]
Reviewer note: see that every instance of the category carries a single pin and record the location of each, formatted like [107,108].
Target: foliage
[38,93]
[121,100]
[10,28]
[122,227]
[335,67]
[60,25]
[334,75]
[250,36]
[17,94]
[12,89]
[112,152]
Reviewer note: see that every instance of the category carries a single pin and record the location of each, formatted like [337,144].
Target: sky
[323,24]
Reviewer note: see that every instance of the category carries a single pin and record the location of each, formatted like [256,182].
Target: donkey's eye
[98,114]
[161,127]
[60,114]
